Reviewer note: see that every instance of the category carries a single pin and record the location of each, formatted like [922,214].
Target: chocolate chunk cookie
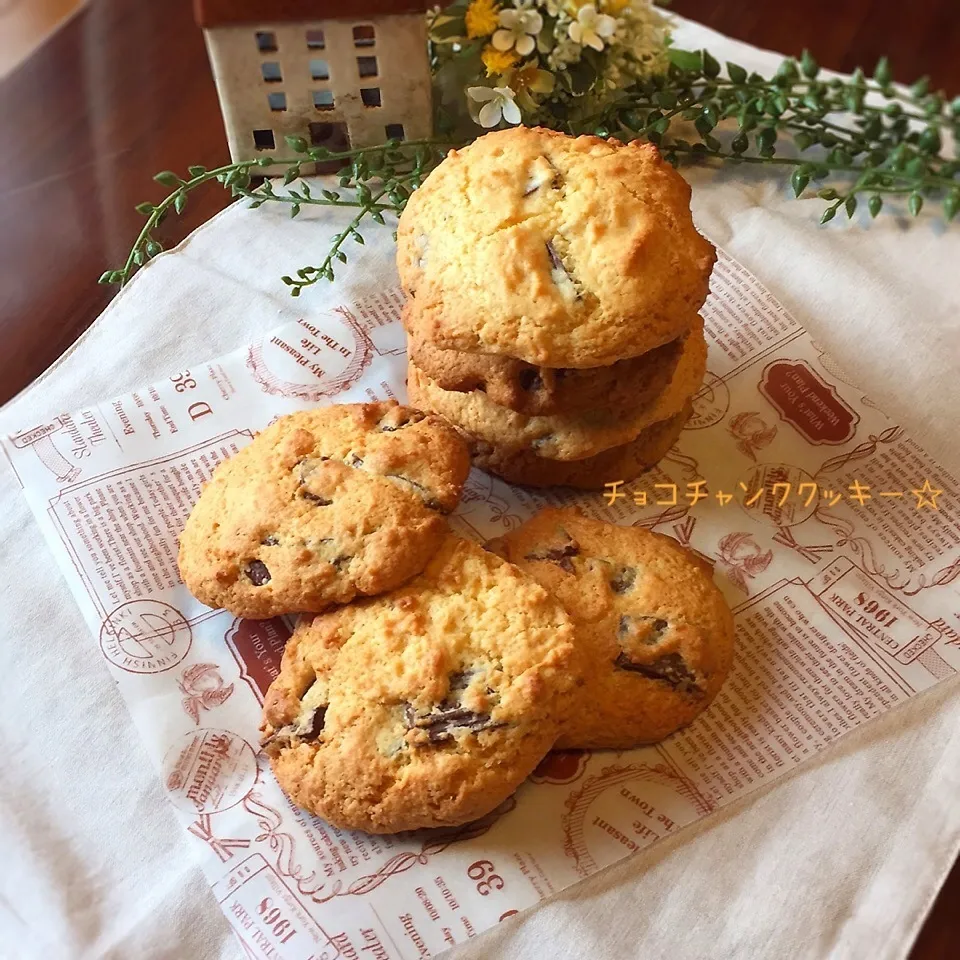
[657,633]
[543,391]
[559,251]
[624,463]
[323,506]
[562,436]
[427,706]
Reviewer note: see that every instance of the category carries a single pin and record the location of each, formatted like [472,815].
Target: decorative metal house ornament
[339,73]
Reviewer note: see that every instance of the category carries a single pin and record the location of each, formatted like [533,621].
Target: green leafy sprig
[891,144]
[872,140]
[372,180]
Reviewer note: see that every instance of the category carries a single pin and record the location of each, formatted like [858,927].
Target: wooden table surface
[124,90]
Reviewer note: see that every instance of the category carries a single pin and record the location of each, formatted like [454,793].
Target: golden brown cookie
[561,436]
[560,251]
[624,463]
[427,706]
[543,391]
[657,633]
[324,505]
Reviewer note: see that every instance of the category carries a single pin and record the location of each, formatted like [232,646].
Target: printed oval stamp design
[209,771]
[710,403]
[624,809]
[145,636]
[309,363]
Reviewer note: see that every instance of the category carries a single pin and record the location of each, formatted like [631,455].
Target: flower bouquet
[543,62]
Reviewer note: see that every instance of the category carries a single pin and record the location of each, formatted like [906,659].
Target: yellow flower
[531,77]
[481,18]
[497,61]
[615,6]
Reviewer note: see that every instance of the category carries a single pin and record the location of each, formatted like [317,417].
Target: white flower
[518,28]
[497,102]
[591,28]
[565,52]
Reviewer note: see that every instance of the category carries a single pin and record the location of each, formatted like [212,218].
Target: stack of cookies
[430,676]
[553,289]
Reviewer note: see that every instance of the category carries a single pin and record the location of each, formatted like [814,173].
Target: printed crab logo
[751,432]
[203,689]
[743,558]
